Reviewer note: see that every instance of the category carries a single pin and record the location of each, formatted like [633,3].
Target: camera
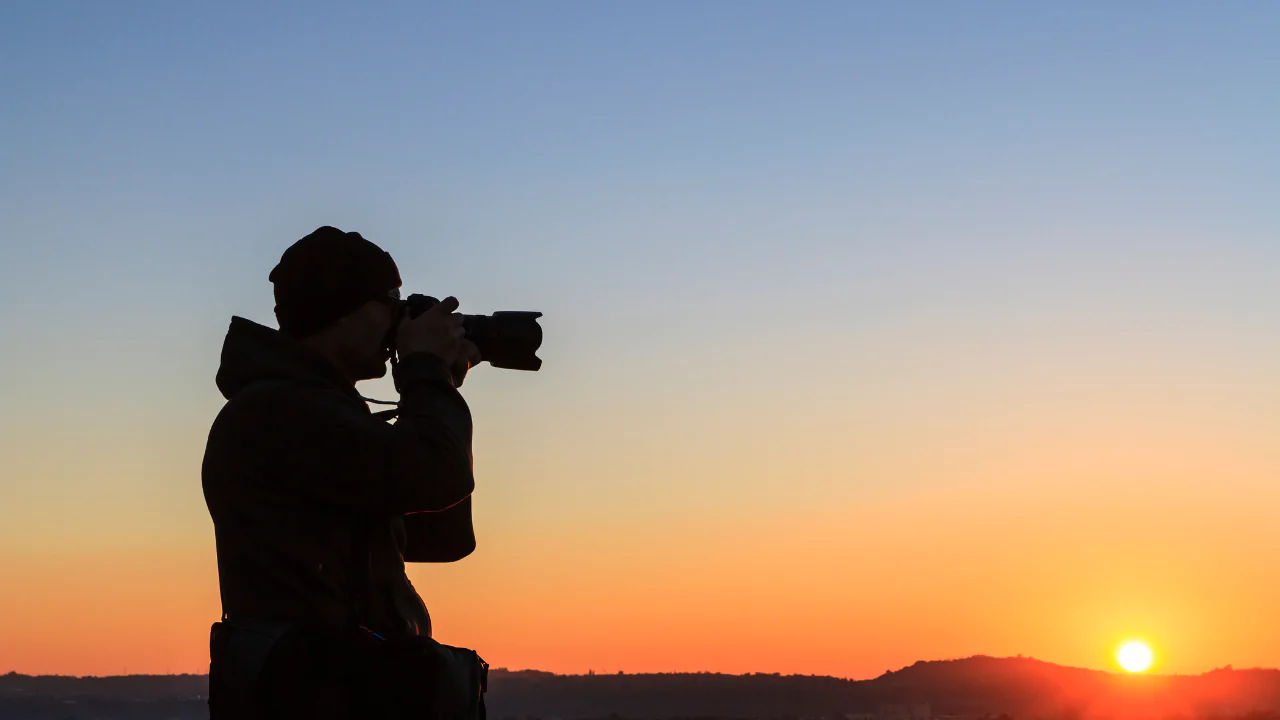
[506,339]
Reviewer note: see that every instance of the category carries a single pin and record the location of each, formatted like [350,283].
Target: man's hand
[439,331]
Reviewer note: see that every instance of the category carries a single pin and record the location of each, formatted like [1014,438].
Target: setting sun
[1134,656]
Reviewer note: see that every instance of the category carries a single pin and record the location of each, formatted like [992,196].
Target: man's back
[282,554]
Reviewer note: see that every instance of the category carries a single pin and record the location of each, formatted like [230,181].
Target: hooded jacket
[316,503]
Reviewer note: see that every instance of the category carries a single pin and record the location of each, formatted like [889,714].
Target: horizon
[1137,676]
[872,332]
[974,688]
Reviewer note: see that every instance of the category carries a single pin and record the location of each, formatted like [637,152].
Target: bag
[459,679]
[423,679]
[238,655]
[417,677]
[261,670]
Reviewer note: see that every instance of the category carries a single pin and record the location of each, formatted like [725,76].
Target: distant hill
[971,687]
[1020,688]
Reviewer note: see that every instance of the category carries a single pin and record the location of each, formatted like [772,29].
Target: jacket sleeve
[324,444]
[440,537]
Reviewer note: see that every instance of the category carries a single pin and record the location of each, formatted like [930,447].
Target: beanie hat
[327,275]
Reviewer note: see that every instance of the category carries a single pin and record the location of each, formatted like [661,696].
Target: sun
[1134,656]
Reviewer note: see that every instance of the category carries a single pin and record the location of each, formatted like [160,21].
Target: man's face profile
[363,334]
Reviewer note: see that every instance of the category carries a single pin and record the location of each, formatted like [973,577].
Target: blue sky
[869,227]
[730,183]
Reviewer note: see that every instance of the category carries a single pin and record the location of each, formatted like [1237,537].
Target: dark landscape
[976,687]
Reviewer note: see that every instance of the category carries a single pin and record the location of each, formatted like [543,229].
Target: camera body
[506,339]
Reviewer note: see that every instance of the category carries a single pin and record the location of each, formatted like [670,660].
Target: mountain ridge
[1019,687]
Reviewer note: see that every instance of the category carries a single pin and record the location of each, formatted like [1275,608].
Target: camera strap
[388,414]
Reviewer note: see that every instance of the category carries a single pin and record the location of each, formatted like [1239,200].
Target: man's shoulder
[261,395]
[278,412]
[288,397]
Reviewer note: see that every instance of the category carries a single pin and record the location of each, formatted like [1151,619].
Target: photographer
[317,504]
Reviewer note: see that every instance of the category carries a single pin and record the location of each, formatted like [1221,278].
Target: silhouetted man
[316,503]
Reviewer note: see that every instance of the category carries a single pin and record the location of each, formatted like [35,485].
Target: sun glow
[1134,656]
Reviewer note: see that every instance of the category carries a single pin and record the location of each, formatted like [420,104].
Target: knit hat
[326,275]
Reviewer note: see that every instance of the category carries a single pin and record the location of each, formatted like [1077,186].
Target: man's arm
[440,537]
[324,444]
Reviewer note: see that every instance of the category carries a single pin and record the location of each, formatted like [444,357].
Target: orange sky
[1029,563]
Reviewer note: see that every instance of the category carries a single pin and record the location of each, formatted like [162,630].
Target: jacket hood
[253,352]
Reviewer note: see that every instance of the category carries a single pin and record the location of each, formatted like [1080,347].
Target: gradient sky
[875,332]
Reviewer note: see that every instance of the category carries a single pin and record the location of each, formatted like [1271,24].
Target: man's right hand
[438,330]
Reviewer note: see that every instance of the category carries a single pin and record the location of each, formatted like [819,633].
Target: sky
[874,332]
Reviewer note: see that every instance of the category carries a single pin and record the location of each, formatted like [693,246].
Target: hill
[973,687]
